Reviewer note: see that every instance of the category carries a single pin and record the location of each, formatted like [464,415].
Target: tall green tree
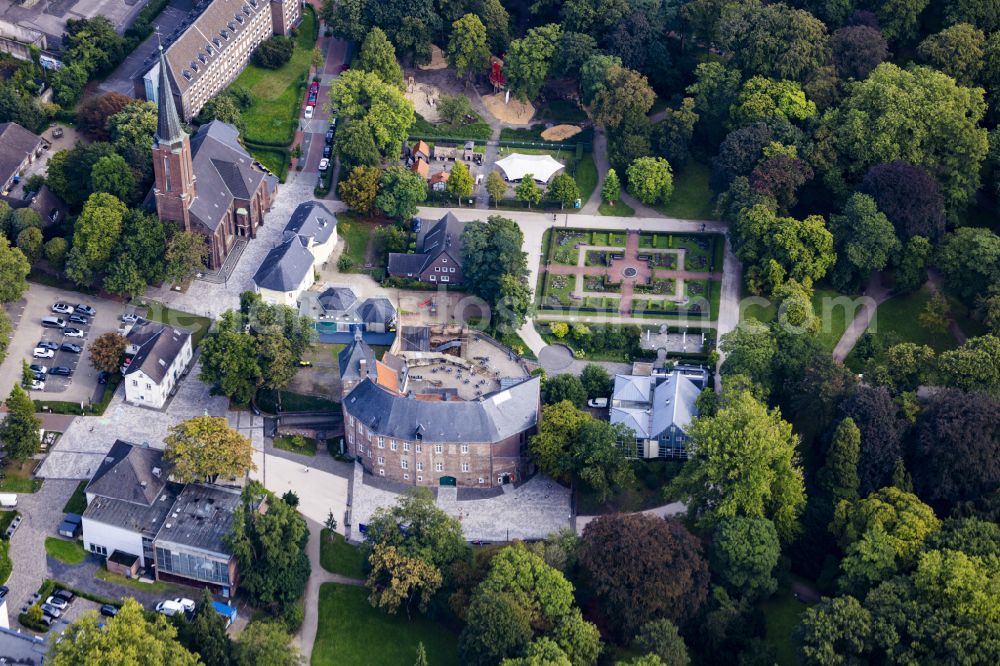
[496,20]
[611,191]
[651,180]
[742,462]
[94,237]
[266,642]
[431,535]
[838,478]
[496,186]
[625,97]
[14,269]
[917,115]
[400,191]
[527,191]
[229,359]
[745,552]
[398,580]
[360,188]
[491,250]
[460,182]
[468,51]
[379,56]
[204,448]
[864,237]
[528,60]
[269,548]
[20,431]
[596,381]
[563,189]
[661,638]
[112,174]
[186,254]
[378,108]
[957,51]
[205,634]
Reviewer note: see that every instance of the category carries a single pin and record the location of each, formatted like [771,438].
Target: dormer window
[186,74]
[224,35]
[194,66]
[217,43]
[246,10]
[239,19]
[203,58]
[232,26]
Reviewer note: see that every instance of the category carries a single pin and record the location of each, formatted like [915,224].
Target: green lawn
[277,160]
[305,446]
[692,198]
[356,232]
[155,586]
[16,476]
[277,93]
[77,503]
[338,556]
[267,400]
[563,111]
[70,552]
[898,320]
[620,209]
[198,326]
[833,317]
[781,616]
[352,632]
[586,177]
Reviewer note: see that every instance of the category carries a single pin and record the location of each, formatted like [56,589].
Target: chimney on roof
[363,366]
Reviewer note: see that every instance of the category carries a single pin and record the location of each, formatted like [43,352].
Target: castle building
[211,52]
[207,184]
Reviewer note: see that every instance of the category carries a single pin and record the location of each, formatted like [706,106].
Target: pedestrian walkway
[875,293]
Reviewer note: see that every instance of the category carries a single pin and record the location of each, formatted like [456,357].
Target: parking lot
[82,385]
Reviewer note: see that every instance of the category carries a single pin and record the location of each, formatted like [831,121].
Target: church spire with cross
[168,124]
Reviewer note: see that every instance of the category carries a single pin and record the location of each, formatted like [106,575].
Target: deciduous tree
[14,269]
[527,191]
[19,431]
[742,462]
[975,366]
[130,637]
[643,567]
[468,51]
[857,50]
[745,552]
[94,236]
[205,448]
[651,180]
[93,114]
[661,638]
[112,174]
[266,642]
[762,99]
[876,415]
[491,250]
[400,191]
[379,56]
[969,259]
[596,381]
[625,97]
[528,59]
[431,535]
[496,187]
[397,580]
[864,237]
[672,135]
[957,51]
[496,21]
[563,189]
[378,109]
[460,182]
[611,191]
[186,255]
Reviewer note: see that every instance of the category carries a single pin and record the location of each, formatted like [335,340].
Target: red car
[314,86]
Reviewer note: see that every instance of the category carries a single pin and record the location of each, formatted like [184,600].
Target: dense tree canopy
[643,567]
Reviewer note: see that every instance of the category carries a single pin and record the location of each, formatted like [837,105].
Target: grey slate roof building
[286,266]
[312,220]
[337,300]
[439,246]
[168,123]
[357,362]
[492,418]
[18,147]
[224,173]
[158,345]
[658,408]
[377,311]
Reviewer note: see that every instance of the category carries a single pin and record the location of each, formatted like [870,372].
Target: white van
[53,322]
[169,608]
[8,499]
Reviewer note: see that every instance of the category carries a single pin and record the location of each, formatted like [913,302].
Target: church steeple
[168,124]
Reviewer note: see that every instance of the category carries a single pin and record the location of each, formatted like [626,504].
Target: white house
[307,243]
[658,404]
[155,359]
[127,501]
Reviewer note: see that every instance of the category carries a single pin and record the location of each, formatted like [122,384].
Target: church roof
[168,123]
[224,172]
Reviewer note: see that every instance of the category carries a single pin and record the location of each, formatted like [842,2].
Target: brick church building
[207,183]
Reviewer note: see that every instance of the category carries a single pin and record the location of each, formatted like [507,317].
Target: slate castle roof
[168,123]
[158,345]
[350,358]
[444,236]
[312,220]
[492,418]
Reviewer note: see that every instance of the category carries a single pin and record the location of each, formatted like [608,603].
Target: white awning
[541,167]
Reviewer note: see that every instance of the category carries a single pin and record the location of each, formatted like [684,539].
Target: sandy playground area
[561,132]
[514,112]
[425,98]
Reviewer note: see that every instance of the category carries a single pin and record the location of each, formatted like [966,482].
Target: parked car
[312,99]
[71,348]
[169,608]
[51,611]
[37,377]
[79,319]
[107,610]
[130,317]
[329,136]
[102,377]
[36,367]
[64,594]
[53,322]
[37,385]
[62,308]
[598,403]
[73,332]
[186,604]
[324,164]
[41,352]
[326,150]
[314,86]
[309,112]
[45,344]
[333,123]
[61,371]
[57,602]
[85,310]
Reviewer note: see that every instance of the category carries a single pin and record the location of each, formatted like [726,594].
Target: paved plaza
[533,510]
[83,446]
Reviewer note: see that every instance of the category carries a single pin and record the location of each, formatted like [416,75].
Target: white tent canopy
[541,167]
